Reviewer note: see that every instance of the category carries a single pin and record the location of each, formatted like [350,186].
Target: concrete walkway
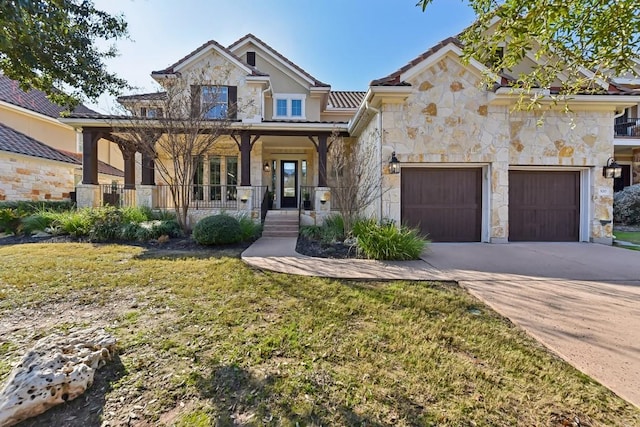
[580,300]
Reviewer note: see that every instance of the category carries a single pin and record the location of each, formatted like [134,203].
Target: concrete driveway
[581,300]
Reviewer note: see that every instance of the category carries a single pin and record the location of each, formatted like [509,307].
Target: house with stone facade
[40,157]
[454,156]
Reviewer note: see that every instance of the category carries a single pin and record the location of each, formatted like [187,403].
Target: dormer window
[289,106]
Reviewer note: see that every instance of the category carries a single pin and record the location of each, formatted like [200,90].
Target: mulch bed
[314,248]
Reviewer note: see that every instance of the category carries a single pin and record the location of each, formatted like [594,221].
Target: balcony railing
[117,195]
[627,127]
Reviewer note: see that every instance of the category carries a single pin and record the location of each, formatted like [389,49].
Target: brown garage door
[544,206]
[446,204]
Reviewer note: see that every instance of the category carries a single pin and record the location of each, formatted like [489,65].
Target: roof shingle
[34,100]
[171,69]
[17,142]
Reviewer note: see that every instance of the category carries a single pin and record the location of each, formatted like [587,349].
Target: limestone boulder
[57,369]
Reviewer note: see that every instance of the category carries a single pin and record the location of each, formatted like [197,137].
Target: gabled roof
[34,100]
[340,99]
[393,79]
[213,45]
[251,38]
[17,142]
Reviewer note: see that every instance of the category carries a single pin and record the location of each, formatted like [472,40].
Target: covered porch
[250,171]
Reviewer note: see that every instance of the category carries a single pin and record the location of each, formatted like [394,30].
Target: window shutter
[143,112]
[251,58]
[233,102]
[196,93]
[159,112]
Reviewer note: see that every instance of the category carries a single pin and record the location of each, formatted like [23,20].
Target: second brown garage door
[544,206]
[446,204]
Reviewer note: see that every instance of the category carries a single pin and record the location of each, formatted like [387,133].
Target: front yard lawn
[628,236]
[209,341]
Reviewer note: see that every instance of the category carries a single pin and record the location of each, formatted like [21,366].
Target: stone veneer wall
[30,178]
[449,120]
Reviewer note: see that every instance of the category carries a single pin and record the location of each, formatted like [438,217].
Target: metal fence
[198,196]
[117,195]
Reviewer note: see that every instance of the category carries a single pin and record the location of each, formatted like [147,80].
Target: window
[289,106]
[198,175]
[296,107]
[151,112]
[215,178]
[232,177]
[215,101]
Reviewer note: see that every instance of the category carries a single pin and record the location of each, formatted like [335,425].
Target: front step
[281,224]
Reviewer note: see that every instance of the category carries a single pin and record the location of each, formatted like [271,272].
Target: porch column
[129,156]
[148,169]
[90,157]
[635,166]
[322,160]
[245,159]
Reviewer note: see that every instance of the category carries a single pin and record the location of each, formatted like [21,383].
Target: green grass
[209,341]
[628,236]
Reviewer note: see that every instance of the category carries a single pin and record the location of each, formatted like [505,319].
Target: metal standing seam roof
[153,96]
[34,100]
[345,99]
[103,168]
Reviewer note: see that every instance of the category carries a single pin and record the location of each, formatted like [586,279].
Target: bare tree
[180,128]
[354,175]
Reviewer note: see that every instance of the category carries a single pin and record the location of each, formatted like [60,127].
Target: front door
[289,183]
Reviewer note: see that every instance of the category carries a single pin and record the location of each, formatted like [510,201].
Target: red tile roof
[345,99]
[34,100]
[316,82]
[171,68]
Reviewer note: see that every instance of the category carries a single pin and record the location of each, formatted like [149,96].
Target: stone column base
[88,196]
[245,200]
[322,204]
[146,195]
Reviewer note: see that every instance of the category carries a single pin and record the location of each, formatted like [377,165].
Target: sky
[345,43]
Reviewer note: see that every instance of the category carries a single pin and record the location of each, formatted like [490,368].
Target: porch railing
[117,195]
[307,196]
[627,127]
[199,196]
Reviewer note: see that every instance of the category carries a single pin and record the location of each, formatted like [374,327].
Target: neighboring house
[627,133]
[39,156]
[470,168]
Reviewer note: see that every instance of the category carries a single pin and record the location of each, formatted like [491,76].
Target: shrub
[332,229]
[626,206]
[106,223]
[9,220]
[169,228]
[217,230]
[249,229]
[311,231]
[76,223]
[385,241]
[37,222]
[136,214]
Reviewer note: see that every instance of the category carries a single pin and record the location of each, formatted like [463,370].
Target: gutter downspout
[379,113]
[262,100]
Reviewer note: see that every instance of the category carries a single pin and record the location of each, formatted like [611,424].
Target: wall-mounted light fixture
[612,169]
[266,167]
[394,164]
[323,201]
